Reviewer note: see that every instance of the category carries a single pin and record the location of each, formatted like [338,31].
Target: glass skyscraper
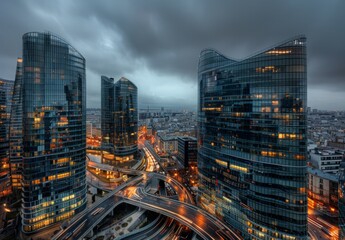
[5,183]
[252,140]
[54,131]
[16,129]
[120,118]
[6,89]
[107,106]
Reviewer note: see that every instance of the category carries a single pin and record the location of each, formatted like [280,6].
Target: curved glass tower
[120,118]
[125,118]
[54,131]
[252,140]
[107,103]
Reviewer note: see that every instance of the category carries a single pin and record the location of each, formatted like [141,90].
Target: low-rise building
[327,161]
[167,144]
[323,190]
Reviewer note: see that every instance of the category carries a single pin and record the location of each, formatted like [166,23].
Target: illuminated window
[63,175]
[221,163]
[279,52]
[238,168]
[272,69]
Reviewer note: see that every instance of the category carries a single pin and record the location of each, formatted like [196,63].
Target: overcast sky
[156,44]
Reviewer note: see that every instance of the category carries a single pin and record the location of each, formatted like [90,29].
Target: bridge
[181,191]
[133,192]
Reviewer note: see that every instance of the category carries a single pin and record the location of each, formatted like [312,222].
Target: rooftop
[321,174]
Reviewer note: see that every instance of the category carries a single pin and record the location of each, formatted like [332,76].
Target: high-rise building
[16,129]
[252,140]
[6,89]
[54,131]
[5,181]
[187,151]
[107,112]
[120,118]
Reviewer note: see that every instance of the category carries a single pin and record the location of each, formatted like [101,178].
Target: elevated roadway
[204,224]
[133,192]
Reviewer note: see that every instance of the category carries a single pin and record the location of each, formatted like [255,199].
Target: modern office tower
[16,129]
[252,140]
[120,117]
[8,87]
[187,151]
[54,131]
[107,109]
[5,181]
[125,119]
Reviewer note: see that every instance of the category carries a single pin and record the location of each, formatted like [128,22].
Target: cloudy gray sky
[156,43]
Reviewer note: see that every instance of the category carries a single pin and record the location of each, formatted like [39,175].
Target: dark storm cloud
[157,43]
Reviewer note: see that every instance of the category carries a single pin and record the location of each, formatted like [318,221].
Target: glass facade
[6,89]
[252,140]
[120,117]
[187,151]
[107,103]
[54,131]
[5,181]
[125,118]
[16,129]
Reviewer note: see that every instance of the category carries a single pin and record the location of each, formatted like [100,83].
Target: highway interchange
[182,210]
[133,192]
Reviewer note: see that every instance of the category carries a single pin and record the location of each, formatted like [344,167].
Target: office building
[187,151]
[54,131]
[327,160]
[5,181]
[107,112]
[252,140]
[120,118]
[16,129]
[6,88]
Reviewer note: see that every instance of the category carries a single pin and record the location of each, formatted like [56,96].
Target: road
[320,229]
[182,210]
[183,194]
[205,225]
[195,218]
[82,223]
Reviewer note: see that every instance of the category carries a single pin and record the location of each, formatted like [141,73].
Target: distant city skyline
[157,44]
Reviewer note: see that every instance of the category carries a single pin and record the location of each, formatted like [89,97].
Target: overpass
[202,223]
[86,220]
[193,217]
[182,192]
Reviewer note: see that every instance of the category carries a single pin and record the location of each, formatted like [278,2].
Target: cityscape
[123,121]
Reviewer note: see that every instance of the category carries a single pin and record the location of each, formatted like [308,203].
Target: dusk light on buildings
[215,120]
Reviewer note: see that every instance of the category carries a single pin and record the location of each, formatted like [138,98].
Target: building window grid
[245,86]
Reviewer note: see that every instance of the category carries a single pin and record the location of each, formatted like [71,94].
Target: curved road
[195,218]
